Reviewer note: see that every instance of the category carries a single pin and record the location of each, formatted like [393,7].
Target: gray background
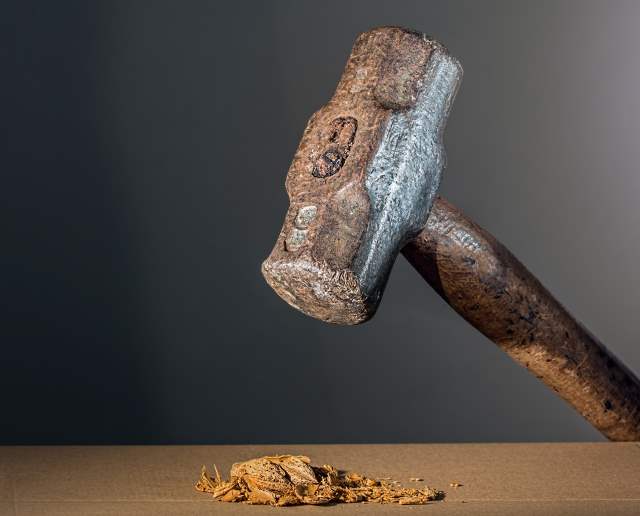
[143,155]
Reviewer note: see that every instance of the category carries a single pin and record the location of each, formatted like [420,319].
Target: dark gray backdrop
[143,155]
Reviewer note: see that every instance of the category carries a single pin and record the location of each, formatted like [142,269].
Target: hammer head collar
[365,175]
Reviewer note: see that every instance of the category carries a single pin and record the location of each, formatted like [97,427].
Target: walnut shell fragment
[291,480]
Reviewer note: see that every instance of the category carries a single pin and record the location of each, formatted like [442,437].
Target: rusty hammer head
[365,175]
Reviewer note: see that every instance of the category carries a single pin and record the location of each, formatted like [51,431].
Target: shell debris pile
[283,480]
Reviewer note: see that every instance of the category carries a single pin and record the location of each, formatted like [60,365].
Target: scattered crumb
[416,479]
[455,484]
[292,480]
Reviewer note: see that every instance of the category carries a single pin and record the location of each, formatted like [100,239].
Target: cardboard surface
[587,478]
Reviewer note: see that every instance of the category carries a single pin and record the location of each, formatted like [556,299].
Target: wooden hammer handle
[494,292]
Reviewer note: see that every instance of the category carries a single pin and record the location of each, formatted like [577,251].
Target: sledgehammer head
[364,177]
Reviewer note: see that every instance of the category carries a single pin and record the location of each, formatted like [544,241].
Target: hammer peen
[363,187]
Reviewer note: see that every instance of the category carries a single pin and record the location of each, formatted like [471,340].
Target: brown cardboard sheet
[585,478]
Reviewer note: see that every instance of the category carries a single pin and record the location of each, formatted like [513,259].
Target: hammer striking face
[364,177]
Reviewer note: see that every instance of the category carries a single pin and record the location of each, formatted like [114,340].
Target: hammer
[363,186]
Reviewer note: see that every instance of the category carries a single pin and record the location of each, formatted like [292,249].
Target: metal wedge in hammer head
[364,176]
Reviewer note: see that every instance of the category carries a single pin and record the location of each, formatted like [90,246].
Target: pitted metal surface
[404,175]
[369,163]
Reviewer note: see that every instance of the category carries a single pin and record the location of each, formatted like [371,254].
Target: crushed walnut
[292,480]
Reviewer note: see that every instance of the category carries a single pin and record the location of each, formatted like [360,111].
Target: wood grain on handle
[494,292]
